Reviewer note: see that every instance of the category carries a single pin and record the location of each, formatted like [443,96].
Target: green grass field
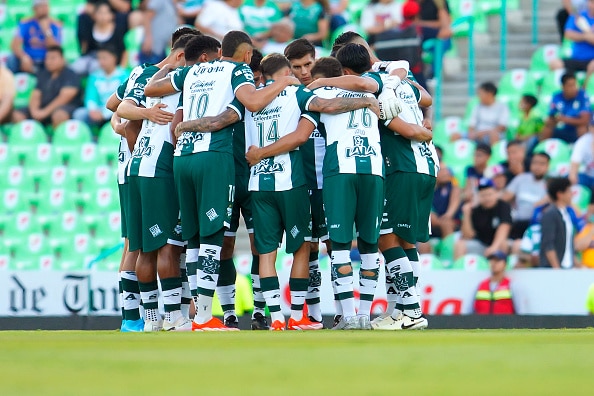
[432,362]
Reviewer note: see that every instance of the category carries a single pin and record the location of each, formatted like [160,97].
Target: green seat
[5,260]
[108,143]
[8,157]
[460,152]
[17,10]
[25,84]
[513,84]
[559,169]
[100,202]
[541,59]
[551,83]
[79,250]
[63,226]
[472,262]
[445,128]
[82,163]
[69,136]
[18,227]
[14,201]
[28,256]
[70,41]
[498,153]
[24,137]
[133,42]
[580,197]
[53,203]
[107,230]
[445,250]
[17,177]
[40,165]
[102,176]
[58,177]
[558,150]
[430,262]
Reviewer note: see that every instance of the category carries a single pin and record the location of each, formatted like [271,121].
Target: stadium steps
[487,66]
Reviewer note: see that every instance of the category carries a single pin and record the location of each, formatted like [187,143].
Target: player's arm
[129,110]
[343,105]
[256,99]
[350,82]
[426,100]
[285,144]
[177,119]
[162,84]
[118,125]
[467,229]
[113,102]
[208,124]
[409,131]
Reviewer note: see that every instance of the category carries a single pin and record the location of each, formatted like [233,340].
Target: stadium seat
[445,128]
[24,136]
[58,177]
[429,262]
[100,202]
[541,59]
[17,10]
[83,161]
[17,177]
[30,255]
[108,143]
[557,149]
[580,197]
[445,250]
[498,152]
[551,83]
[53,203]
[70,43]
[472,262]
[25,84]
[18,226]
[40,165]
[76,253]
[69,136]
[514,83]
[460,152]
[133,42]
[8,157]
[14,201]
[107,260]
[107,230]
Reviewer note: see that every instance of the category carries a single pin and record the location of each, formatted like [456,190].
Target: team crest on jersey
[268,166]
[425,150]
[361,148]
[143,149]
[190,138]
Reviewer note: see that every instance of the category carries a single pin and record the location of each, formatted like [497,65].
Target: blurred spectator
[56,94]
[311,20]
[436,22]
[496,173]
[490,118]
[578,29]
[381,15]
[516,162]
[486,226]
[218,17]
[100,85]
[584,243]
[570,7]
[556,245]
[33,36]
[7,94]
[103,32]
[569,113]
[531,123]
[258,16]
[446,203]
[476,171]
[494,295]
[124,15]
[188,10]
[582,157]
[281,34]
[339,14]
[526,192]
[159,22]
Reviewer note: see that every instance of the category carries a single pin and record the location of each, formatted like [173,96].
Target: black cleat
[232,322]
[337,319]
[259,322]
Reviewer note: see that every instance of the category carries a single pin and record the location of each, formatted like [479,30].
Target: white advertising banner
[535,292]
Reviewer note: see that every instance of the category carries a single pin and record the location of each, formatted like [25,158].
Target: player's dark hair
[199,45]
[299,48]
[344,38]
[183,30]
[557,185]
[232,41]
[256,60]
[273,63]
[327,67]
[566,77]
[182,41]
[55,48]
[530,100]
[489,87]
[542,154]
[355,57]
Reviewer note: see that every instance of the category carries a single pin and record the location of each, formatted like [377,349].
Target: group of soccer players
[300,147]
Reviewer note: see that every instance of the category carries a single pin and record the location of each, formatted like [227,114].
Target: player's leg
[319,232]
[370,199]
[268,233]
[340,204]
[186,298]
[226,283]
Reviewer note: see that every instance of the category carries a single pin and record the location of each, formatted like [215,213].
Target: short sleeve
[304,97]
[505,213]
[136,94]
[513,185]
[375,76]
[242,75]
[121,90]
[238,107]
[577,154]
[504,115]
[571,24]
[71,79]
[585,102]
[178,77]
[473,121]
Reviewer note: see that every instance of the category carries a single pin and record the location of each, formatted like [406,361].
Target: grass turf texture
[433,362]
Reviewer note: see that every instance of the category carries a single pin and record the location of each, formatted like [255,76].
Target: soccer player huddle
[323,150]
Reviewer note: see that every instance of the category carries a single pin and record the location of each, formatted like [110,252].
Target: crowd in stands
[492,192]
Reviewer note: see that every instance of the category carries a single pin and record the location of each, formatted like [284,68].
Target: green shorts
[354,199]
[205,187]
[276,212]
[407,206]
[319,231]
[123,192]
[241,205]
[152,213]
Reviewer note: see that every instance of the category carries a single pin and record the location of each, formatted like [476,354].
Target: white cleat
[181,324]
[350,323]
[150,325]
[407,323]
[363,322]
[384,322]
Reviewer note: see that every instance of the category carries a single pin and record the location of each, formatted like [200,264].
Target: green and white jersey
[352,139]
[153,151]
[313,152]
[207,90]
[241,166]
[123,90]
[402,154]
[285,171]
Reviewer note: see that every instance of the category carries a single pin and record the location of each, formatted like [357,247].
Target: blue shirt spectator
[569,112]
[581,50]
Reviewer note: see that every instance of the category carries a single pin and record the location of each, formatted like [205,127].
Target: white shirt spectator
[488,117]
[387,14]
[527,191]
[583,154]
[220,18]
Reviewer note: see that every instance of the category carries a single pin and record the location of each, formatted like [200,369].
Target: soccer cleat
[408,323]
[304,324]
[337,319]
[259,322]
[152,325]
[213,324]
[383,322]
[350,323]
[232,322]
[277,325]
[132,326]
[314,320]
[363,322]
[181,324]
